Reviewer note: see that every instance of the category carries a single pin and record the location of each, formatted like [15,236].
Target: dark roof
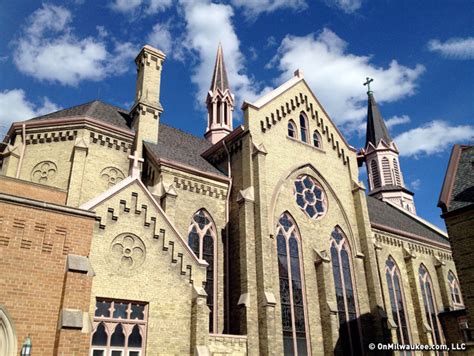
[376,129]
[182,147]
[390,188]
[382,213]
[97,110]
[219,77]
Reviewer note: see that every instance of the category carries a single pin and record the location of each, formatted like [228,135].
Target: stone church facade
[120,235]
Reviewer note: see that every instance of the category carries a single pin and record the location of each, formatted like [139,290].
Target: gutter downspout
[23,149]
[227,213]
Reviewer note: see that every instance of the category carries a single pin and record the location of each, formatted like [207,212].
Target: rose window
[43,172]
[310,197]
[128,251]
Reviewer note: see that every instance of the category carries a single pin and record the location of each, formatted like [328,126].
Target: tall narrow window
[396,170]
[375,174]
[303,128]
[349,335]
[291,129]
[397,300]
[387,174]
[293,317]
[201,239]
[430,304]
[455,290]
[119,328]
[317,139]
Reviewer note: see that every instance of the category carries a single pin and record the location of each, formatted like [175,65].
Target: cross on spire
[136,164]
[368,81]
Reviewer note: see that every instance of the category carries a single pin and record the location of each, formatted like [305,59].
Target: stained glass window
[349,331]
[397,300]
[303,128]
[317,139]
[291,287]
[202,233]
[310,197]
[291,129]
[455,290]
[430,304]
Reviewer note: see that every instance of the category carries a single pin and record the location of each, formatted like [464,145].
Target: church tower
[220,102]
[381,159]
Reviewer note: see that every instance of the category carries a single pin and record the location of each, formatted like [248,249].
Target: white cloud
[416,184]
[253,8]
[454,48]
[149,7]
[397,120]
[207,24]
[160,37]
[433,137]
[49,50]
[337,76]
[348,6]
[15,107]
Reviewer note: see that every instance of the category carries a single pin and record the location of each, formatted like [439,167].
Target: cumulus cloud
[348,6]
[49,50]
[253,8]
[433,137]
[416,184]
[148,7]
[160,37]
[207,24]
[336,75]
[397,120]
[14,106]
[454,48]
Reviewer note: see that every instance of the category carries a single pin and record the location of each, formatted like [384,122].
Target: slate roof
[383,213]
[95,109]
[390,188]
[182,147]
[219,77]
[376,129]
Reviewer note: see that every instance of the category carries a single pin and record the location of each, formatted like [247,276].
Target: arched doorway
[8,343]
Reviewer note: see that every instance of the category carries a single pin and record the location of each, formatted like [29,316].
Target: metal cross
[369,80]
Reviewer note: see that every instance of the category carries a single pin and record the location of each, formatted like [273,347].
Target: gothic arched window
[317,139]
[375,173]
[455,290]
[349,335]
[201,239]
[396,170]
[429,301]
[291,129]
[303,128]
[293,317]
[397,300]
[387,174]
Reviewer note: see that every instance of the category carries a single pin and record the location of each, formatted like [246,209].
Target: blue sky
[420,53]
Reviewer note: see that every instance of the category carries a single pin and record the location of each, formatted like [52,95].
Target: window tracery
[429,302]
[455,290]
[310,197]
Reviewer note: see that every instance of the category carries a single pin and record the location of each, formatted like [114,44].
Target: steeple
[381,158]
[219,101]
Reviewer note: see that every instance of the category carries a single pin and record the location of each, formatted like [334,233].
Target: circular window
[310,197]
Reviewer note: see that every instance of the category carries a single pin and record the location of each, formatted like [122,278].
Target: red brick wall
[21,188]
[34,284]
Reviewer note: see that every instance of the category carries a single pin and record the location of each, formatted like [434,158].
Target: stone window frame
[317,141]
[426,284]
[201,232]
[392,273]
[453,286]
[304,127]
[294,232]
[338,246]
[111,323]
[292,130]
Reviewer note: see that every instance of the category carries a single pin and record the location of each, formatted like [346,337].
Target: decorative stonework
[43,172]
[310,197]
[111,176]
[128,251]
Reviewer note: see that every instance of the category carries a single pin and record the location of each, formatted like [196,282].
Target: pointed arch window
[387,174]
[429,302]
[397,300]
[455,290]
[292,294]
[291,129]
[303,128]
[375,174]
[349,331]
[317,139]
[396,170]
[201,240]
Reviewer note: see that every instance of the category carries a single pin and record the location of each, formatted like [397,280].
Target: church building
[122,236]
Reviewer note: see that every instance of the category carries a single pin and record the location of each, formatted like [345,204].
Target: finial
[368,81]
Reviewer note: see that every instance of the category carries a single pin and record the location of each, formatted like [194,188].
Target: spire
[219,101]
[376,128]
